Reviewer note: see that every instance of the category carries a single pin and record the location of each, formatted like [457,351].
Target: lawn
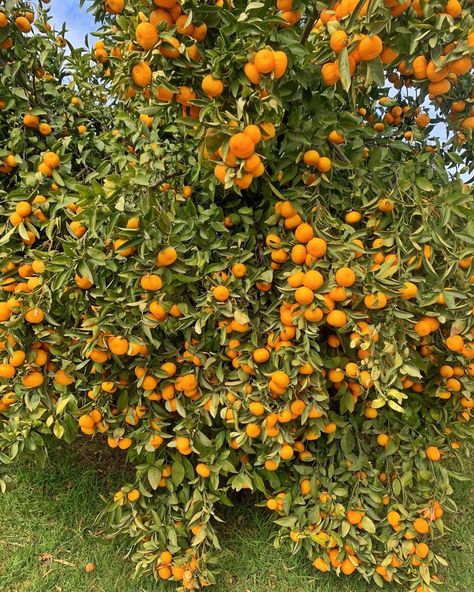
[48,533]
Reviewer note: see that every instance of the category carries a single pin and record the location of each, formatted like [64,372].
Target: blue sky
[79,22]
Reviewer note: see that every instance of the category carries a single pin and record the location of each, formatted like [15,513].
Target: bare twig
[48,558]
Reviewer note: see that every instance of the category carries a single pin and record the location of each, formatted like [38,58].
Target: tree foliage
[236,247]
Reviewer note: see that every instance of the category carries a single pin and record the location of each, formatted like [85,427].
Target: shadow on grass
[49,532]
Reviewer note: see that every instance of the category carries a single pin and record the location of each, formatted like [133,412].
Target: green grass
[48,533]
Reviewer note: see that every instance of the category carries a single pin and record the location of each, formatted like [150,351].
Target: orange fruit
[336,318]
[335,137]
[345,277]
[433,453]
[330,73]
[261,355]
[118,345]
[23,24]
[264,61]
[253,430]
[252,73]
[5,311]
[164,572]
[62,378]
[241,145]
[221,293]
[421,526]
[338,40]
[321,565]
[408,291]
[33,379]
[82,282]
[268,130]
[455,343]
[166,257]
[170,47]
[453,8]
[281,64]
[286,452]
[313,280]
[23,208]
[133,495]
[51,159]
[253,131]
[114,6]
[141,74]
[375,301]
[34,316]
[370,47]
[212,87]
[311,157]
[324,164]
[151,282]
[348,567]
[304,233]
[203,470]
[281,379]
[158,311]
[317,247]
[354,516]
[30,120]
[304,295]
[7,371]
[393,518]
[422,550]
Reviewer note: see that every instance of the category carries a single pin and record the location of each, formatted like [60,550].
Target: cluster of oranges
[22,22]
[240,162]
[50,162]
[286,11]
[439,77]
[30,120]
[396,115]
[10,161]
[368,48]
[235,281]
[266,62]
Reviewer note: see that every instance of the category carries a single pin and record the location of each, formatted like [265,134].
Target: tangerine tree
[236,248]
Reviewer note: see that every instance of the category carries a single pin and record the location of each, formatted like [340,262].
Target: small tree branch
[308,26]
[339,151]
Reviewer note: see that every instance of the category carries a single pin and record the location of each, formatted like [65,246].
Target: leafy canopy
[236,247]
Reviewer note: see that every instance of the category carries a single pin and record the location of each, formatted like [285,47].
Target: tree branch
[309,25]
[339,151]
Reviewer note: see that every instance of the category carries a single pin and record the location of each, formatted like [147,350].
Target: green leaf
[62,404]
[347,442]
[154,477]
[377,72]
[345,528]
[344,69]
[368,525]
[424,184]
[287,521]
[177,473]
[58,430]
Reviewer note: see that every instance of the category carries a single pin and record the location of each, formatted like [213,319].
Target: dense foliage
[231,253]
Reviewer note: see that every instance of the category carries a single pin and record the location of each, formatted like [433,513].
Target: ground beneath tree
[49,532]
